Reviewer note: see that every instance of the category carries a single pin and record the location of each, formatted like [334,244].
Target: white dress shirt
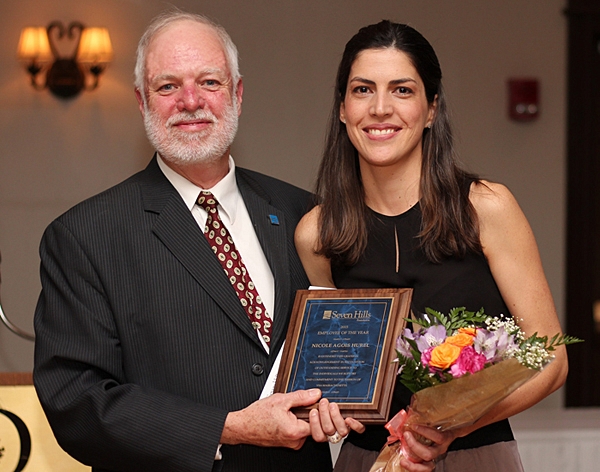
[235,217]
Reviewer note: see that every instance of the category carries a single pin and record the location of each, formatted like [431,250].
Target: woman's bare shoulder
[307,241]
[492,199]
[307,231]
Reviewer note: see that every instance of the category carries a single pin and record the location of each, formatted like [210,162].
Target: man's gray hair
[167,18]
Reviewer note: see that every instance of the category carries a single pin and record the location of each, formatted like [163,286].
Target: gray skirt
[498,457]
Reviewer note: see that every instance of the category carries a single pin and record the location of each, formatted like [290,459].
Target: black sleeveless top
[455,282]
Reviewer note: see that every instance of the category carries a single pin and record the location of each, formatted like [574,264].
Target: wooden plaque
[344,342]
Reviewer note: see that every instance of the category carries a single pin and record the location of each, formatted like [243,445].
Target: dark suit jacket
[142,346]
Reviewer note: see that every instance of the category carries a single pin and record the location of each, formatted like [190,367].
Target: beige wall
[55,153]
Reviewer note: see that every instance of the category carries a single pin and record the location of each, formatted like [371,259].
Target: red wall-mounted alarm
[523,99]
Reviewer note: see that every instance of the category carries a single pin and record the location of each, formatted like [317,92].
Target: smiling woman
[385,110]
[396,210]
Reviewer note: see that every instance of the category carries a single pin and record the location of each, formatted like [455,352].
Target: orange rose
[460,340]
[444,355]
[470,331]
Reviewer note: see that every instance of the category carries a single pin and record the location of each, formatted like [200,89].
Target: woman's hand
[424,446]
[327,420]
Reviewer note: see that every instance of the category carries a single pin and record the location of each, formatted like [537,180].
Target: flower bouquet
[458,367]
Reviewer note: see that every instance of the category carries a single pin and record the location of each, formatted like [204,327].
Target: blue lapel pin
[274,220]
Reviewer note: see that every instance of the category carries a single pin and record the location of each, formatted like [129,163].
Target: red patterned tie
[222,245]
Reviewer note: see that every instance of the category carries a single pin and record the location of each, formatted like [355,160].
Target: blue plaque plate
[343,342]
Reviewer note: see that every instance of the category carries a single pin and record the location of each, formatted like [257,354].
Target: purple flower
[494,345]
[468,361]
[402,345]
[430,337]
[485,343]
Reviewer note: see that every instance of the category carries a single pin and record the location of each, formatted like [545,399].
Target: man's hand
[269,422]
[328,420]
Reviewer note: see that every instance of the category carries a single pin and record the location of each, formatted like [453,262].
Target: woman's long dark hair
[449,224]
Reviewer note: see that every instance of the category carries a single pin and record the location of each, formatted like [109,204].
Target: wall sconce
[65,77]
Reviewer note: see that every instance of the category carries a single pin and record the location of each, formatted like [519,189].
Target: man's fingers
[315,426]
[355,425]
[303,397]
[327,423]
[338,420]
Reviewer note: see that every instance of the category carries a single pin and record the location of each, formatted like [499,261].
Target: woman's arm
[327,419]
[306,238]
[512,253]
[513,256]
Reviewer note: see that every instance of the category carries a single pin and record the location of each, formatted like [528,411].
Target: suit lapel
[178,231]
[274,241]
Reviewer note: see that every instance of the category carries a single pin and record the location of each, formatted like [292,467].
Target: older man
[166,298]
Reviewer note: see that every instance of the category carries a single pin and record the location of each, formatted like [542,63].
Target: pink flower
[468,361]
[426,357]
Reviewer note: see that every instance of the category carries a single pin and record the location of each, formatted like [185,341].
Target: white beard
[184,147]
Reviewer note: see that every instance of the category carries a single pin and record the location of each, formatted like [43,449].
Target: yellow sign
[21,402]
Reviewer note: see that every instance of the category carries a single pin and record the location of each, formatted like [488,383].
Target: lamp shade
[34,45]
[95,46]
